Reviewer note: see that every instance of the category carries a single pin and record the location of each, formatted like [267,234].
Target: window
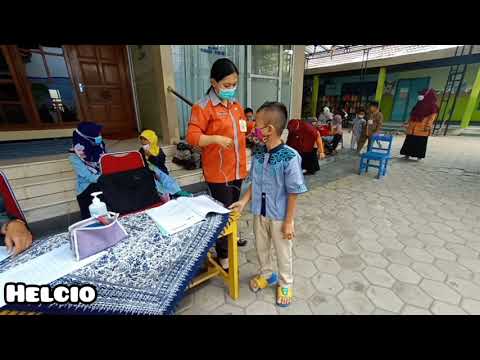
[50,83]
[11,107]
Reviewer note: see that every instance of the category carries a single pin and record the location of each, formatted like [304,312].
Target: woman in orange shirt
[419,127]
[218,125]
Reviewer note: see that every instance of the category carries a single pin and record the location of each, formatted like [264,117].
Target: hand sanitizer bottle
[97,208]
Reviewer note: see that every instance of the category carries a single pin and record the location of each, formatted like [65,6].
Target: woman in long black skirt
[419,127]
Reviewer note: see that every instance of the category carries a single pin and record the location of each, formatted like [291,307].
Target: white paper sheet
[3,253]
[180,214]
[45,268]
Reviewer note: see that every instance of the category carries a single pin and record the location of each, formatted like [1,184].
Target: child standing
[357,128]
[277,179]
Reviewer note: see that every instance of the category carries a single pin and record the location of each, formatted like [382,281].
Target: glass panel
[52,88]
[263,90]
[8,92]
[14,113]
[287,76]
[265,59]
[4,70]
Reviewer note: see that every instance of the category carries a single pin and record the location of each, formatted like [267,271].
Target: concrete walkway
[406,244]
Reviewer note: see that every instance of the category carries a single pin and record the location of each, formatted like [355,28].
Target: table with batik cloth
[145,274]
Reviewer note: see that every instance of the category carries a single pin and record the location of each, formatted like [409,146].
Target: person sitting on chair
[14,233]
[88,147]
[155,160]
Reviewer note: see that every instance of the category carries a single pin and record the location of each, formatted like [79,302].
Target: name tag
[243,125]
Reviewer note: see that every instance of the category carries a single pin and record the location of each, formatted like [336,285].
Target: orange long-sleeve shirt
[211,117]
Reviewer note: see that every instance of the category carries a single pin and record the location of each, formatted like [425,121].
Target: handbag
[89,237]
[129,191]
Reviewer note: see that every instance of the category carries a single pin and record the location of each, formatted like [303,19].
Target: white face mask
[420,97]
[146,147]
[361,116]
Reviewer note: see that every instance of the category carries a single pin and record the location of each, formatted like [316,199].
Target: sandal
[284,296]
[259,282]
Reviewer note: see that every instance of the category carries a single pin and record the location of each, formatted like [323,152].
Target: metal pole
[180,96]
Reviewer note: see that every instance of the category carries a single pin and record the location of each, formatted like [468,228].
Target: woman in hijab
[88,147]
[419,127]
[155,159]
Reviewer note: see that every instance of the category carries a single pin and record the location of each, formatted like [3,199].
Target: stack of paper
[180,214]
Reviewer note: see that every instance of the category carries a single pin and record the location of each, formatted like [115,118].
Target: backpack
[129,191]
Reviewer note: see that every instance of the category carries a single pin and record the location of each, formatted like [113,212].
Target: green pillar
[472,101]
[382,75]
[316,85]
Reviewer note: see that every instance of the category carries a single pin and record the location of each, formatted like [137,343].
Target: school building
[46,89]
[394,75]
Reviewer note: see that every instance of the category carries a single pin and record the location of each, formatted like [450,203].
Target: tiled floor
[406,244]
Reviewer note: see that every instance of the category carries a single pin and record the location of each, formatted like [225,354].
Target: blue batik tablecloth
[145,274]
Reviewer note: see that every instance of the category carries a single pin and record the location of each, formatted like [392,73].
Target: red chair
[122,161]
[11,203]
[113,163]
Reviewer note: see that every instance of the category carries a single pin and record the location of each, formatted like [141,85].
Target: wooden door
[101,77]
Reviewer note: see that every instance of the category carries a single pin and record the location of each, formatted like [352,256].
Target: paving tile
[441,253]
[246,297]
[385,299]
[303,288]
[462,251]
[440,291]
[420,255]
[471,306]
[305,252]
[304,268]
[327,265]
[464,287]
[228,309]
[378,276]
[397,257]
[404,274]
[351,262]
[412,295]
[349,247]
[322,304]
[440,308]
[353,280]
[454,269]
[327,250]
[429,271]
[374,259]
[371,245]
[261,308]
[412,310]
[327,284]
[208,297]
[355,302]
[471,264]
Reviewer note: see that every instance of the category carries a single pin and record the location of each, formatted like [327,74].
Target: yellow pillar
[316,85]
[382,75]
[472,101]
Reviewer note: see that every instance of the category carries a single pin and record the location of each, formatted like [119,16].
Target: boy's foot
[259,282]
[284,296]
[241,242]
